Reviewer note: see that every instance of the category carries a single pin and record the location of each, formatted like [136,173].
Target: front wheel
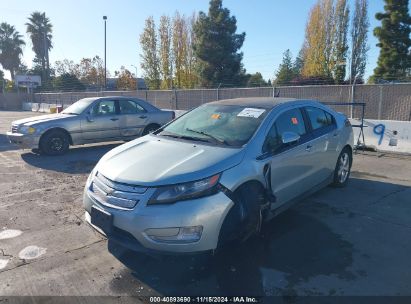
[342,168]
[54,142]
[245,218]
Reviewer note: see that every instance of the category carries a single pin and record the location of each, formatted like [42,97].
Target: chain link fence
[388,101]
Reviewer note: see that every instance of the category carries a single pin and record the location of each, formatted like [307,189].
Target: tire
[244,219]
[150,129]
[54,142]
[342,168]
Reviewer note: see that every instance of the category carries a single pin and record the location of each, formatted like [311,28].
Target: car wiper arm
[222,141]
[184,137]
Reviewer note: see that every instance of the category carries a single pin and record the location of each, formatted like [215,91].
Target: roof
[259,102]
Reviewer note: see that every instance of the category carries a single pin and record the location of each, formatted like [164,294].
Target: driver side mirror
[289,137]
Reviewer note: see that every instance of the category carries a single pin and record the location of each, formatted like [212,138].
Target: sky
[271,27]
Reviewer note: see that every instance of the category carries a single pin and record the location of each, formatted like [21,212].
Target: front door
[102,124]
[292,165]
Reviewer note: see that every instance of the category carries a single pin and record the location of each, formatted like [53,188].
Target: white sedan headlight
[27,130]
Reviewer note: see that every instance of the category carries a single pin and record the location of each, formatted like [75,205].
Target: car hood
[42,118]
[154,161]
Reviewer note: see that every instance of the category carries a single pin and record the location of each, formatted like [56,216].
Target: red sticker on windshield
[294,120]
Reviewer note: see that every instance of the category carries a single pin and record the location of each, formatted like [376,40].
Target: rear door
[102,123]
[324,141]
[133,118]
[291,165]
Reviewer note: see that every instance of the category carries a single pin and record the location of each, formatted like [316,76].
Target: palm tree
[11,48]
[39,29]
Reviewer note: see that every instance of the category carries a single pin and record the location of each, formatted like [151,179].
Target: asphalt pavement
[353,241]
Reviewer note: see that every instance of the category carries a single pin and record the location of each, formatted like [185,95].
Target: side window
[272,141]
[291,121]
[105,107]
[318,118]
[330,118]
[130,107]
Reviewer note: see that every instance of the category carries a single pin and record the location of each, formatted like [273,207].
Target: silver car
[216,173]
[88,120]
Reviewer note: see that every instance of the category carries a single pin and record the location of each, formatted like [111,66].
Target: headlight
[90,177]
[186,191]
[27,130]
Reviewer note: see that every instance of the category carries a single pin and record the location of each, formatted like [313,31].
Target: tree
[165,59]
[317,41]
[359,38]
[216,46]
[125,80]
[394,41]
[2,81]
[11,48]
[342,17]
[256,80]
[66,66]
[191,60]
[68,82]
[286,70]
[150,62]
[91,71]
[40,30]
[325,47]
[180,36]
[299,63]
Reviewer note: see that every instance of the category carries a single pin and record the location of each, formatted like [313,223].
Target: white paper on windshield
[251,112]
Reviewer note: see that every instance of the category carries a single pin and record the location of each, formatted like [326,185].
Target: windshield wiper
[222,141]
[70,113]
[184,137]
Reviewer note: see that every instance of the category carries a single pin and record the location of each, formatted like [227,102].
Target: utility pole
[105,52]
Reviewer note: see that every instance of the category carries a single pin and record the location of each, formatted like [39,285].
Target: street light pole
[136,76]
[105,52]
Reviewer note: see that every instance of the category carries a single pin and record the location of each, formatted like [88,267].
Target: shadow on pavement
[5,145]
[293,247]
[314,241]
[76,160]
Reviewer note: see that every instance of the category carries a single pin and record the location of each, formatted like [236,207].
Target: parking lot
[350,241]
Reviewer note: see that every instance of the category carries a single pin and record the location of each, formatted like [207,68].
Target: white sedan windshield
[79,106]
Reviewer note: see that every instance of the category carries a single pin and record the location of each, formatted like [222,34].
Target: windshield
[229,125]
[79,106]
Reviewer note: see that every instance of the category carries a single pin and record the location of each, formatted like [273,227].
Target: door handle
[113,119]
[143,116]
[308,148]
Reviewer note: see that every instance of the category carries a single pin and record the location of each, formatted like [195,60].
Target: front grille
[14,128]
[115,195]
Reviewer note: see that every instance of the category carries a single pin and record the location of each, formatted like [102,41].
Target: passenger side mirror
[289,137]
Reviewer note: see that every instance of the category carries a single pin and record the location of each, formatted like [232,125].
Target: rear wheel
[342,168]
[54,142]
[150,129]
